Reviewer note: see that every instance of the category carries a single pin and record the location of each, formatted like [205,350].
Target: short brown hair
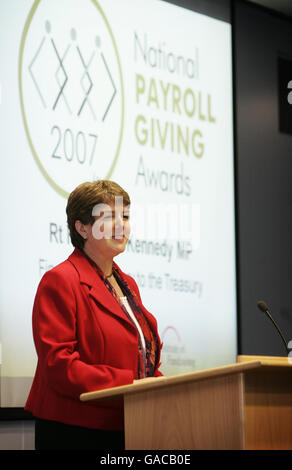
[83,199]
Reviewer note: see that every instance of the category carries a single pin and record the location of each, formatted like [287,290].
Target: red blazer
[84,342]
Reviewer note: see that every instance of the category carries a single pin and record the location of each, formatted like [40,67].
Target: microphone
[264,308]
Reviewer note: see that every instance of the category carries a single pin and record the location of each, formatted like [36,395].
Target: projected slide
[139,92]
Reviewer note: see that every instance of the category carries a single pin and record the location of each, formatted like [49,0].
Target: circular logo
[71,92]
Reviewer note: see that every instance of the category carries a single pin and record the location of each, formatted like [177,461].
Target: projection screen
[139,92]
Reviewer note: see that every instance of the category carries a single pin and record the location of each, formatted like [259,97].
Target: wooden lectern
[199,410]
[268,403]
[247,405]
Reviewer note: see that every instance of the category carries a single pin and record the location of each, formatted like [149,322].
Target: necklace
[110,275]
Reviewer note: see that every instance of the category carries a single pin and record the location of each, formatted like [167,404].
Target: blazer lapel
[98,290]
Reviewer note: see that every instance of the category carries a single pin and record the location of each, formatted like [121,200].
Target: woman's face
[110,232]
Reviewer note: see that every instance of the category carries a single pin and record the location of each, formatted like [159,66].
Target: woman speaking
[91,330]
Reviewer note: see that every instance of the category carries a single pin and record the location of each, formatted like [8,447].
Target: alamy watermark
[148,221]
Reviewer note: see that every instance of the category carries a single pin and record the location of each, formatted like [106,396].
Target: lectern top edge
[267,361]
[147,385]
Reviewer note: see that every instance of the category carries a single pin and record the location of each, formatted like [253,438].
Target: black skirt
[52,435]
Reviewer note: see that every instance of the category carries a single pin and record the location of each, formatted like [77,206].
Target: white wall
[17,435]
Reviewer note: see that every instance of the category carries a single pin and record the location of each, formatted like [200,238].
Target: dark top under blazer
[84,342]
